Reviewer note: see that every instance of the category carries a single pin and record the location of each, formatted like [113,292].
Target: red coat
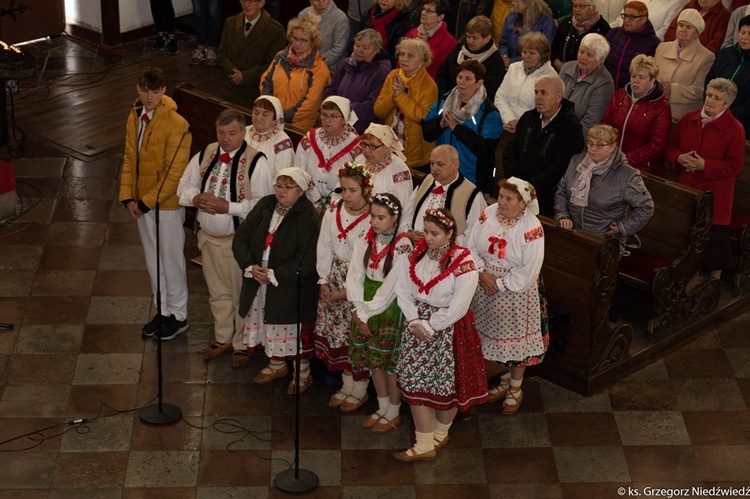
[722,144]
[441,44]
[717,19]
[644,130]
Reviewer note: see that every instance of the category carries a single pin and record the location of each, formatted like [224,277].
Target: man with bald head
[446,187]
[546,138]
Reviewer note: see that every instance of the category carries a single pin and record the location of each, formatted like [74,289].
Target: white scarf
[463,113]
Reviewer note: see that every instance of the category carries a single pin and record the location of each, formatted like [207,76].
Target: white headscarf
[387,136]
[528,194]
[345,106]
[276,103]
[302,179]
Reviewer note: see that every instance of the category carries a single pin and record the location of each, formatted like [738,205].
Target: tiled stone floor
[75,286]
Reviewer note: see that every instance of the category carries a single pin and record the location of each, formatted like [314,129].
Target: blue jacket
[476,140]
[508,44]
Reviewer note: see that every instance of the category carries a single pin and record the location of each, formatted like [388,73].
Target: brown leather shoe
[369,421]
[351,403]
[304,384]
[215,349]
[268,374]
[409,456]
[385,425]
[517,396]
[240,358]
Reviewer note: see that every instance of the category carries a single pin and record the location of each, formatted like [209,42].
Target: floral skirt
[512,326]
[334,322]
[447,373]
[379,351]
[279,340]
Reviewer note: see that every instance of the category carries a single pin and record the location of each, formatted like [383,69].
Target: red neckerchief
[322,163]
[379,22]
[343,232]
[420,248]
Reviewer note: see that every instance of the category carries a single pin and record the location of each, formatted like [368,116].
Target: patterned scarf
[461,111]
[582,26]
[579,192]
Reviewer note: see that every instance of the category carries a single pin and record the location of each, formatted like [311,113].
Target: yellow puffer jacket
[164,138]
[421,93]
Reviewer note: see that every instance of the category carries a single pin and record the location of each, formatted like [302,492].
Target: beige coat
[685,73]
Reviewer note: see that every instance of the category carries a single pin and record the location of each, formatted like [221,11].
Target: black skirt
[718,253]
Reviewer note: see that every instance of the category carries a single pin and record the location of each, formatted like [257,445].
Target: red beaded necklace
[376,258]
[343,232]
[421,248]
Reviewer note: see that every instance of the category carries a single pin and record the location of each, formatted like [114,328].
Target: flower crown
[353,165]
[386,200]
[440,216]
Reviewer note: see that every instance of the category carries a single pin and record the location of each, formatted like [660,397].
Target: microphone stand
[294,479]
[161,413]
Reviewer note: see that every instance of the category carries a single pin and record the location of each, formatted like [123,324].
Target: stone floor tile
[185,367]
[123,233]
[709,394]
[708,340]
[87,188]
[660,463]
[733,334]
[107,369]
[61,310]
[12,313]
[20,233]
[11,286]
[237,400]
[375,467]
[453,466]
[86,493]
[26,470]
[25,428]
[582,429]
[653,371]
[88,401]
[20,257]
[46,187]
[76,234]
[240,433]
[520,430]
[70,258]
[122,283]
[591,464]
[559,399]
[41,369]
[320,492]
[232,493]
[520,466]
[63,283]
[739,359]
[643,395]
[119,310]
[100,168]
[159,493]
[113,338]
[652,428]
[34,401]
[718,428]
[450,491]
[81,210]
[123,257]
[162,469]
[353,436]
[104,434]
[537,491]
[723,463]
[388,491]
[219,468]
[28,167]
[49,338]
[324,463]
[591,490]
[698,363]
[188,397]
[93,469]
[318,433]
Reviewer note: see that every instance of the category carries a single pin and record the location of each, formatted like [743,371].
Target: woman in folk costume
[274,248]
[266,134]
[383,157]
[440,367]
[344,222]
[377,261]
[324,150]
[509,305]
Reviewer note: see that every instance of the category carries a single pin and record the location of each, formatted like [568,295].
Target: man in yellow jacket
[157,150]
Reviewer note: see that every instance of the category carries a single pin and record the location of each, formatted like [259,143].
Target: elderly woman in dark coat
[275,243]
[586,19]
[600,187]
[360,77]
[588,84]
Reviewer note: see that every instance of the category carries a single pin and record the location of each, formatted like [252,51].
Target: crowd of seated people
[585,111]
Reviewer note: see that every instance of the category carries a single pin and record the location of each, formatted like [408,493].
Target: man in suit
[248,44]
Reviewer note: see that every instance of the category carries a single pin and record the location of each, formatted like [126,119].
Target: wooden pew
[580,273]
[660,279]
[739,226]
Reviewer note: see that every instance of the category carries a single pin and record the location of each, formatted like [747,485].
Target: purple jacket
[361,84]
[625,46]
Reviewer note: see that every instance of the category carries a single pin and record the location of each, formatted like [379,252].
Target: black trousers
[163,14]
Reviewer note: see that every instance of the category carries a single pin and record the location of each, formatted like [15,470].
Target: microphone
[338,190]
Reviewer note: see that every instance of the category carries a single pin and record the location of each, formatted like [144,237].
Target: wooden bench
[580,274]
[660,279]
[739,226]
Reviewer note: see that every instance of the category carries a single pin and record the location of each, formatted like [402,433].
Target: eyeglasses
[596,145]
[581,5]
[301,41]
[324,116]
[427,10]
[284,187]
[629,17]
[367,145]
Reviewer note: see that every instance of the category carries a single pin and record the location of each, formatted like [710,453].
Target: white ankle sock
[425,442]
[441,430]
[382,405]
[392,411]
[359,388]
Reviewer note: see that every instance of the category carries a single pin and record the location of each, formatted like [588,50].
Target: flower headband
[440,216]
[387,201]
[353,165]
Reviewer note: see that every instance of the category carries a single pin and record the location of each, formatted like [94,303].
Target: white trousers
[174,291]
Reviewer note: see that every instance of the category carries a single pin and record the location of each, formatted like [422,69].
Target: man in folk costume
[225,181]
[446,187]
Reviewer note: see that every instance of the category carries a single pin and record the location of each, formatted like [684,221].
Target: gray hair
[227,116]
[598,44]
[557,84]
[725,86]
[420,47]
[370,36]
